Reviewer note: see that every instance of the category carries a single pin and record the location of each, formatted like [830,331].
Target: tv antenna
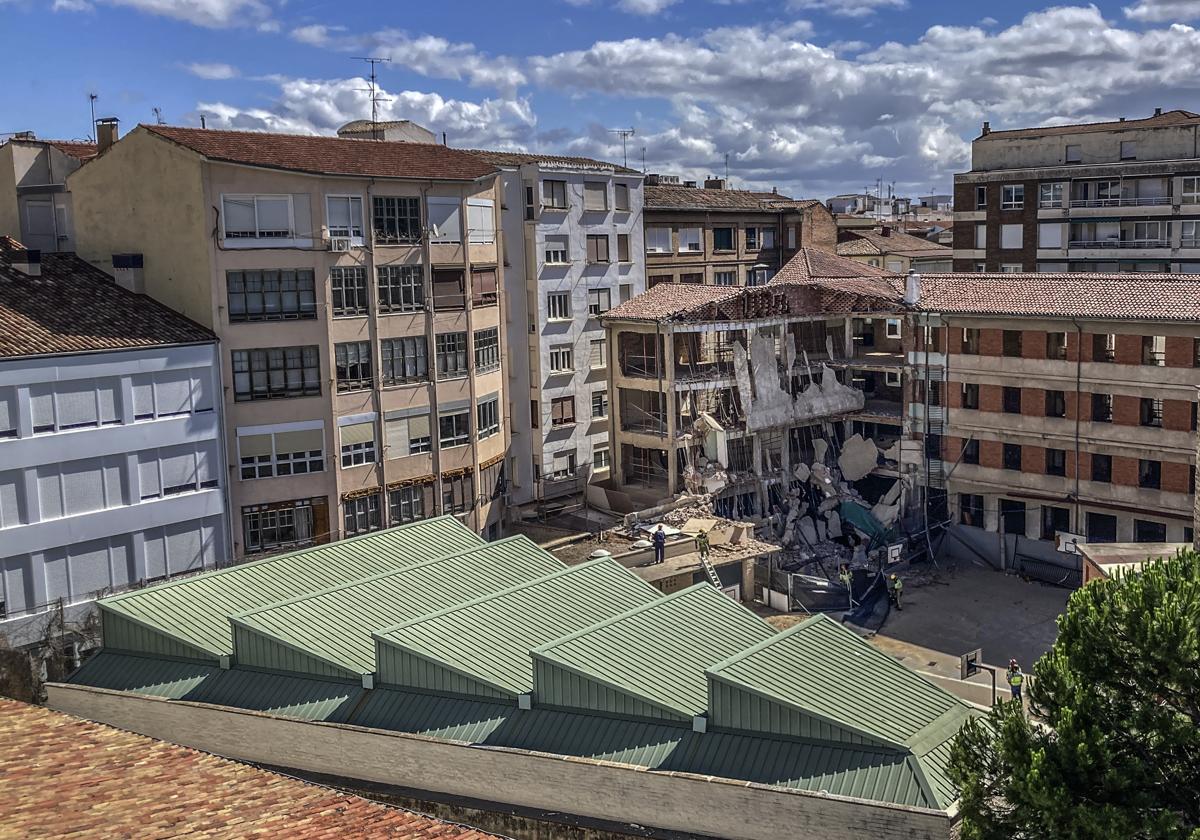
[373,91]
[92,97]
[624,134]
[158,115]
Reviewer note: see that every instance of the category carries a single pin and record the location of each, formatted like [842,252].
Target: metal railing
[1153,201]
[1119,243]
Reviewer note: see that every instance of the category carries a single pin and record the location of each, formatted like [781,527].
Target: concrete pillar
[991,513]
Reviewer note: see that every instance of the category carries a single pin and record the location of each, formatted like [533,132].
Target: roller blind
[183,548]
[41,404]
[395,433]
[418,427]
[173,393]
[76,406]
[252,446]
[595,195]
[202,390]
[358,433]
[106,394]
[178,468]
[239,215]
[50,492]
[143,396]
[148,475]
[206,462]
[11,483]
[307,440]
[444,217]
[480,220]
[156,560]
[274,215]
[83,486]
[8,410]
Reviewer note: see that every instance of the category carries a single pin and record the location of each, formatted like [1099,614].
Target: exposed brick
[1175,477]
[1180,351]
[1033,344]
[1125,471]
[955,339]
[1084,465]
[991,342]
[1074,400]
[951,446]
[1127,410]
[1177,415]
[1075,348]
[1129,350]
[1033,402]
[991,398]
[1033,460]
[954,394]
[991,454]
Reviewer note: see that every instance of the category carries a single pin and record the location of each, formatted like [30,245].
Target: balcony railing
[1119,243]
[1153,201]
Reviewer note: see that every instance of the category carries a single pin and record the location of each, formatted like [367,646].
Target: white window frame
[1011,268]
[1012,197]
[258,241]
[458,439]
[443,237]
[601,459]
[356,239]
[1189,190]
[600,344]
[484,234]
[562,358]
[980,236]
[313,463]
[767,235]
[1007,232]
[720,278]
[658,240]
[892,328]
[602,395]
[557,250]
[358,454]
[691,236]
[1055,239]
[1051,195]
[558,306]
[568,468]
[1189,233]
[599,301]
[492,428]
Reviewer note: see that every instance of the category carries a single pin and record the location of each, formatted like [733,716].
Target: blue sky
[815,97]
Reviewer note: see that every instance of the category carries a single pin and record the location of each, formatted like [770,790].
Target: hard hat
[893,576]
[1012,662]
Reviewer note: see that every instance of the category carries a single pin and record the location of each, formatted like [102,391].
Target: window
[445,219]
[1012,400]
[1154,350]
[1050,195]
[1056,345]
[598,357]
[275,373]
[271,295]
[454,429]
[621,197]
[558,306]
[401,288]
[689,240]
[599,404]
[1055,520]
[562,359]
[352,361]
[1056,462]
[361,515]
[970,453]
[768,237]
[1102,468]
[257,216]
[980,268]
[562,411]
[344,216]
[535,411]
[752,243]
[1102,408]
[557,250]
[276,526]
[601,459]
[161,472]
[981,198]
[599,301]
[484,290]
[451,355]
[348,290]
[449,289]
[625,292]
[723,239]
[1012,516]
[1104,347]
[623,247]
[554,194]
[658,240]
[1128,150]
[405,360]
[358,443]
[407,504]
[1011,268]
[724,278]
[1050,235]
[1189,234]
[1056,404]
[597,248]
[487,417]
[981,235]
[1190,191]
[487,349]
[1073,154]
[970,395]
[1012,456]
[1151,412]
[970,342]
[481,221]
[1149,474]
[1012,197]
[1012,343]
[1101,528]
[757,276]
[406,432]
[1011,236]
[692,278]
[970,509]
[396,220]
[595,195]
[563,466]
[530,215]
[1144,531]
[267,454]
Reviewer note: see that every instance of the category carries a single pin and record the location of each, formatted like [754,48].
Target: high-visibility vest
[1015,677]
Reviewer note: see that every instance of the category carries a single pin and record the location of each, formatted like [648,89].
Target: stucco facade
[35,206]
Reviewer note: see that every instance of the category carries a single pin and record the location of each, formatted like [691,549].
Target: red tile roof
[329,155]
[74,307]
[63,776]
[671,197]
[813,264]
[564,161]
[1164,120]
[874,243]
[74,148]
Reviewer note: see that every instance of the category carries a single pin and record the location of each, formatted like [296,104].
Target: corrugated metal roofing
[196,610]
[490,638]
[336,624]
[659,652]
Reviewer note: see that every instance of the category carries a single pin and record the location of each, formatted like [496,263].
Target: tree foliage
[1112,748]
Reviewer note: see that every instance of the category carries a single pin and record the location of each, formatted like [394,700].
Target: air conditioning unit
[339,243]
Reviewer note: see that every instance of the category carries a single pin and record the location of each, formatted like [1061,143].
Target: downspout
[431,350]
[1078,411]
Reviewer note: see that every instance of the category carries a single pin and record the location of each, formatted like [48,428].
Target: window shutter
[239,215]
[178,467]
[148,474]
[50,492]
[107,395]
[143,396]
[156,558]
[206,463]
[274,215]
[418,426]
[338,213]
[83,486]
[173,392]
[8,410]
[41,402]
[11,484]
[444,216]
[358,433]
[306,440]
[252,446]
[480,220]
[114,480]
[595,195]
[427,498]
[77,406]
[183,548]
[395,435]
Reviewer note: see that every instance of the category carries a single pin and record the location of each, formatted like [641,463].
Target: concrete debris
[808,531]
[820,448]
[764,379]
[859,456]
[833,525]
[801,472]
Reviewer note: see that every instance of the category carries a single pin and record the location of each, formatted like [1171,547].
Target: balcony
[1120,243]
[1148,201]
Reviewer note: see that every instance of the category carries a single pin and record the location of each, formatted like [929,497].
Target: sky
[813,97]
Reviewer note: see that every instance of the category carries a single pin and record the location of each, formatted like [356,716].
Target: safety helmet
[893,576]
[1012,662]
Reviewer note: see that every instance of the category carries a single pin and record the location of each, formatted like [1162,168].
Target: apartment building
[573,248]
[354,286]
[1070,403]
[35,205]
[895,250]
[1102,197]
[111,466]
[716,236]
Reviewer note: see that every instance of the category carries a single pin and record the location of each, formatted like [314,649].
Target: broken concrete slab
[808,531]
[859,457]
[820,448]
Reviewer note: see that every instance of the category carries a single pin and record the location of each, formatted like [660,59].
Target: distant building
[1112,197]
[35,205]
[394,131]
[112,472]
[887,247]
[939,202]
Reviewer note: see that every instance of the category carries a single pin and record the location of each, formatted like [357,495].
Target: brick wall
[1129,350]
[1033,402]
[1033,460]
[991,398]
[1177,415]
[1127,410]
[991,342]
[1175,477]
[1125,471]
[1180,351]
[991,454]
[1033,344]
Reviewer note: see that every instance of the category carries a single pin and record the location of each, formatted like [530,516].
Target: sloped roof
[64,776]
[329,155]
[873,242]
[501,158]
[1164,120]
[667,299]
[195,610]
[672,197]
[74,307]
[814,264]
[74,148]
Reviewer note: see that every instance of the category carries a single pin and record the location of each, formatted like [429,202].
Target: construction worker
[895,587]
[659,538]
[846,579]
[1015,678]
[702,544]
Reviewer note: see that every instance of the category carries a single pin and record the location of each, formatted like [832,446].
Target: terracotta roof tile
[1169,118]
[496,158]
[329,155]
[873,242]
[63,776]
[813,264]
[671,197]
[83,151]
[74,307]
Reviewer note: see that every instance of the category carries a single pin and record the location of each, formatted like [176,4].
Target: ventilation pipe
[912,288]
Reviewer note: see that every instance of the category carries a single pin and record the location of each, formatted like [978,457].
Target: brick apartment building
[1102,197]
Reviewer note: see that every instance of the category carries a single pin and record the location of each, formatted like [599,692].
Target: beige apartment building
[353,285]
[35,206]
[716,236]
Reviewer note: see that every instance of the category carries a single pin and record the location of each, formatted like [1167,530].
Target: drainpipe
[1078,412]
[431,348]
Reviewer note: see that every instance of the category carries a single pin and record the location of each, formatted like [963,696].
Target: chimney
[1158,112]
[652,179]
[886,230]
[28,262]
[912,288]
[691,184]
[106,133]
[714,183]
[127,270]
[24,135]
[987,128]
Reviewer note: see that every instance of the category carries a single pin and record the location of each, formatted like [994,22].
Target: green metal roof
[658,652]
[488,639]
[195,610]
[335,624]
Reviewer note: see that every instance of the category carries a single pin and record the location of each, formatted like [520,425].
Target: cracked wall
[764,390]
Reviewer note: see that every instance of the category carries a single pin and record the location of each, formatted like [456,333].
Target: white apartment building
[111,458]
[574,249]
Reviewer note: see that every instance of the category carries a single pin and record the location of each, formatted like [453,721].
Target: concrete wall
[10,218]
[999,152]
[678,802]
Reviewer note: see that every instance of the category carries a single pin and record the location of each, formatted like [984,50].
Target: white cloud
[214,14]
[1163,11]
[71,6]
[644,7]
[846,8]
[214,70]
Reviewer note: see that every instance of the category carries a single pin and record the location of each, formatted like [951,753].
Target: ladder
[711,571]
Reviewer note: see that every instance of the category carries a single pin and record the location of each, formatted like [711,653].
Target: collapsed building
[794,404]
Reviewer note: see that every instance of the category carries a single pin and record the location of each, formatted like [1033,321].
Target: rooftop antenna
[643,160]
[158,115]
[92,97]
[203,122]
[727,169]
[625,134]
[375,97]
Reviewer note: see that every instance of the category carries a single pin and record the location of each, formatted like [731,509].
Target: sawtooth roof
[1165,120]
[502,158]
[74,307]
[329,155]
[673,197]
[870,243]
